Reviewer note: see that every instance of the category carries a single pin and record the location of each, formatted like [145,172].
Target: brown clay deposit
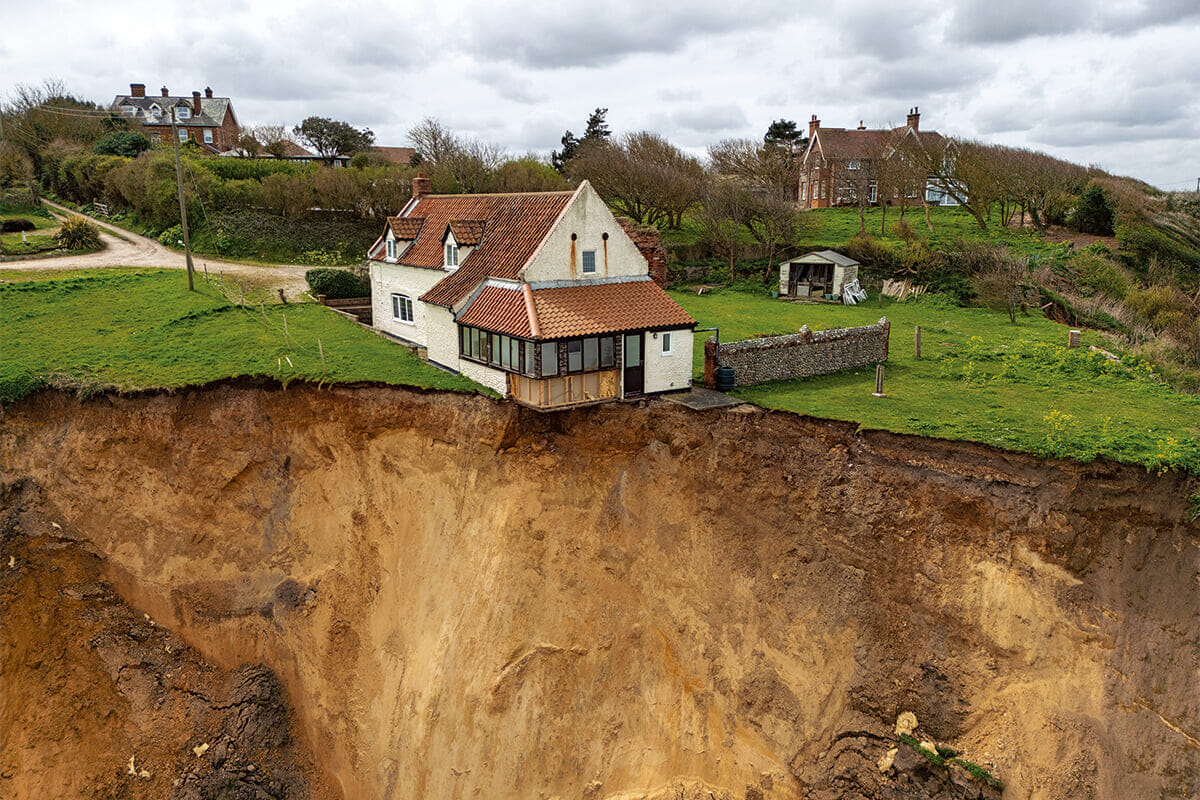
[463,599]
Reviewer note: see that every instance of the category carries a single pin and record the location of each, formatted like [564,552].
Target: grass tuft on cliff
[142,329]
[980,378]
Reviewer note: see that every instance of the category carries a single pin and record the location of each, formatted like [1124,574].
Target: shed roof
[826,257]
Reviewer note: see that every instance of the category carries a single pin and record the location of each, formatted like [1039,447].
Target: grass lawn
[138,329]
[822,228]
[980,378]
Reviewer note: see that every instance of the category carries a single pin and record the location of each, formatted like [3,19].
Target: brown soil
[462,598]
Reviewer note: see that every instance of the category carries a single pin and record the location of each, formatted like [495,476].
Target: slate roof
[212,110]
[580,310]
[516,224]
[838,144]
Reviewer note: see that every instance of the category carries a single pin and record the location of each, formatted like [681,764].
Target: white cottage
[541,296]
[821,274]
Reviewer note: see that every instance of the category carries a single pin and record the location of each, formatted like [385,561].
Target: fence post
[879,381]
[917,340]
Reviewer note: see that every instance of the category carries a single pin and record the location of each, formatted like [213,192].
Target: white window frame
[391,249]
[583,262]
[402,303]
[665,338]
[450,254]
[155,110]
[852,164]
[183,134]
[208,136]
[182,112]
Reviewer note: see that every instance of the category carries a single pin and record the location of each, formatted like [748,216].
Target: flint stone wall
[799,355]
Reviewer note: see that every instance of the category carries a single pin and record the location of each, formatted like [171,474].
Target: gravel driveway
[125,249]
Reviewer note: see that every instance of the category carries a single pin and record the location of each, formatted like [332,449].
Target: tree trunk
[928,216]
[883,219]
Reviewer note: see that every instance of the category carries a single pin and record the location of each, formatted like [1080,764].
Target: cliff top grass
[980,378]
[142,329]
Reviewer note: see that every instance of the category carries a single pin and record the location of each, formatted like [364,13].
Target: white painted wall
[443,349]
[589,218]
[667,373]
[387,279]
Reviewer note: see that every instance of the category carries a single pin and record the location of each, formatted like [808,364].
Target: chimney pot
[861,126]
[814,124]
[420,185]
[208,92]
[165,92]
[137,90]
[914,119]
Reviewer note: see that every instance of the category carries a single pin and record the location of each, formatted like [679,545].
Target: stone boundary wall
[799,355]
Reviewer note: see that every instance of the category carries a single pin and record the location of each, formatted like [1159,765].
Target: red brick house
[841,163]
[206,120]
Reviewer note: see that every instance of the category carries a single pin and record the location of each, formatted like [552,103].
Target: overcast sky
[1109,82]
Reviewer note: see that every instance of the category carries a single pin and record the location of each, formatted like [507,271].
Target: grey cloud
[1090,134]
[558,36]
[709,119]
[508,85]
[990,22]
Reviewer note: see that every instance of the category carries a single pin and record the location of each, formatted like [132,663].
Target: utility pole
[187,242]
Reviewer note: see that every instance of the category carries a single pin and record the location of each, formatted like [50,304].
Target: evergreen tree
[596,130]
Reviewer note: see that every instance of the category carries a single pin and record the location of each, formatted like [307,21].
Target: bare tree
[273,139]
[245,145]
[643,176]
[433,141]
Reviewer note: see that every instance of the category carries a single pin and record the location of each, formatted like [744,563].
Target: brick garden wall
[799,355]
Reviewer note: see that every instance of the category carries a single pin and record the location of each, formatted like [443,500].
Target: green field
[141,329]
[831,227]
[980,378]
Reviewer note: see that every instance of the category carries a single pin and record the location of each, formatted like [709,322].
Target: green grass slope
[139,329]
[980,378]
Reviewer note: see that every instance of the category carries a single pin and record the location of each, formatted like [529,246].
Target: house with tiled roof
[839,164]
[208,121]
[542,296]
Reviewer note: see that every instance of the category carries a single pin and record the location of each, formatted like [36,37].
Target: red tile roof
[842,143]
[397,155]
[405,228]
[467,232]
[607,308]
[584,310]
[499,309]
[515,225]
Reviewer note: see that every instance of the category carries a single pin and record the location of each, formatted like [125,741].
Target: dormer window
[155,110]
[451,255]
[391,249]
[129,111]
[852,164]
[182,112]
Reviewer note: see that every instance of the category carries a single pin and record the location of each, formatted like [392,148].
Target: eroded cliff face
[464,599]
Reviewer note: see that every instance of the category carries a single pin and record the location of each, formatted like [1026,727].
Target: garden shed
[823,274]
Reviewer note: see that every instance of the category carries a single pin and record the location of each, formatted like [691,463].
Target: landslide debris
[101,701]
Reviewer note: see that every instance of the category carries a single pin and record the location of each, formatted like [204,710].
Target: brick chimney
[137,90]
[165,92]
[420,185]
[196,103]
[208,92]
[814,125]
[914,119]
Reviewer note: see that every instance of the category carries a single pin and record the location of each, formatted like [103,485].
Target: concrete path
[702,399]
[125,249]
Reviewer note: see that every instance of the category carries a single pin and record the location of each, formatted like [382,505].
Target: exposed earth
[372,592]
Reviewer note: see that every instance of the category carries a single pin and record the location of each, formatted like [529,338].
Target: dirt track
[125,249]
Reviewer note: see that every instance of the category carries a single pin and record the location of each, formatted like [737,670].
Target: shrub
[1100,273]
[172,236]
[337,284]
[130,144]
[1094,212]
[16,225]
[77,233]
